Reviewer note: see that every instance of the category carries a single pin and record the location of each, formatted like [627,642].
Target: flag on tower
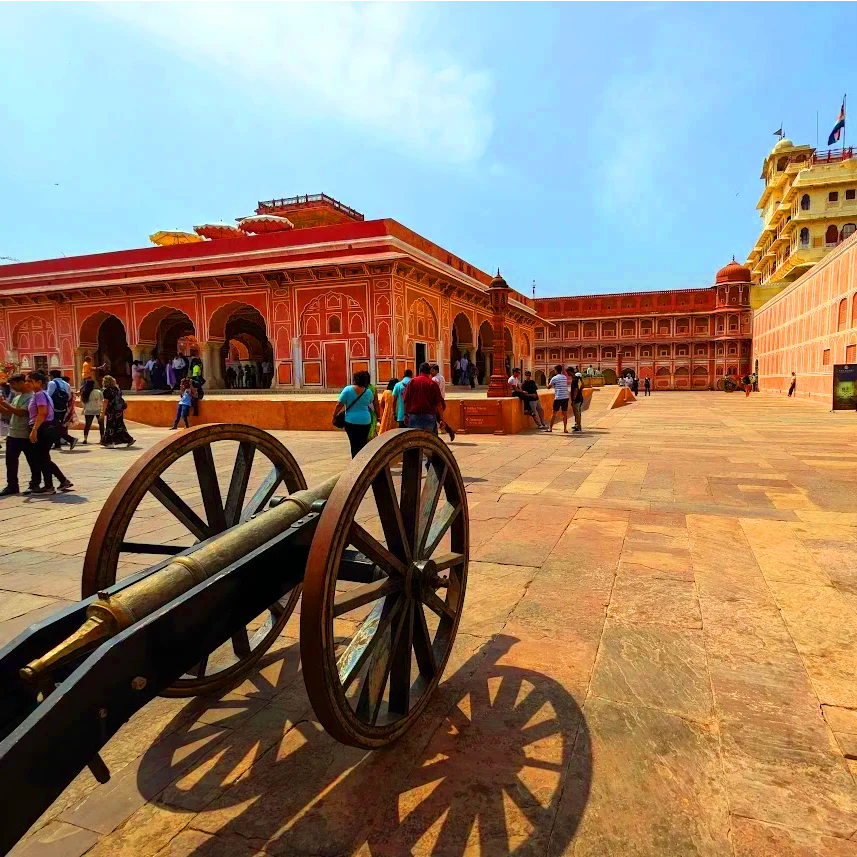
[836,133]
[779,132]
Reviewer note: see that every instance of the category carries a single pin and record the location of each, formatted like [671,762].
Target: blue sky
[589,147]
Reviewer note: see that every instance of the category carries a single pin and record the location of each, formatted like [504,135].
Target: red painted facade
[332,296]
[682,340]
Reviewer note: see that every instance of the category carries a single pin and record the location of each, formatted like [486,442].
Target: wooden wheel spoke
[390,514]
[443,520]
[367,544]
[432,488]
[400,665]
[174,504]
[241,643]
[263,493]
[423,648]
[142,547]
[412,470]
[365,594]
[438,605]
[209,487]
[365,642]
[448,560]
[238,483]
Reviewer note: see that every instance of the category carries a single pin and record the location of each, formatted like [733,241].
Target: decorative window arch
[847,231]
[843,314]
[804,237]
[831,236]
[804,202]
[334,324]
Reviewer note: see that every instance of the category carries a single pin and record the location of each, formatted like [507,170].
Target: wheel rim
[374,650]
[168,477]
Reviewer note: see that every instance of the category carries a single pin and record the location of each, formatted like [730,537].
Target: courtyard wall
[809,327]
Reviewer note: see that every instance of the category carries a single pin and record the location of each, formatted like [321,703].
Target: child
[185,403]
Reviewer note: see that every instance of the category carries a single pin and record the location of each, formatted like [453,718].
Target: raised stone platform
[468,411]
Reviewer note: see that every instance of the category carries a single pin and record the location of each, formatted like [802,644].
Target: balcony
[832,156]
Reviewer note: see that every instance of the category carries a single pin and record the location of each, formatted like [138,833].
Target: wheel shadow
[483,771]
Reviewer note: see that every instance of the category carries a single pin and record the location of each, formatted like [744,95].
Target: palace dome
[734,272]
[783,143]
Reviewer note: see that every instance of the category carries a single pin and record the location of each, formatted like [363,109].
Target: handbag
[339,416]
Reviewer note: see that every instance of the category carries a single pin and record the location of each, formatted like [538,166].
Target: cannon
[377,556]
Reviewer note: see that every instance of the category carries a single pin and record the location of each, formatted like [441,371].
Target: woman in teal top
[360,404]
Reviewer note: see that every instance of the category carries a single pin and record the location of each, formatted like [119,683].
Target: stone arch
[166,327]
[461,341]
[104,338]
[422,321]
[484,344]
[241,326]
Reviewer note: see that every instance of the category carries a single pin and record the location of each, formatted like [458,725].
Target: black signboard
[845,387]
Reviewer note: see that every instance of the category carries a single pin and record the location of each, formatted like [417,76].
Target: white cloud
[363,64]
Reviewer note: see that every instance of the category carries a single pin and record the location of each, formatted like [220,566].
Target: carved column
[498,293]
[212,369]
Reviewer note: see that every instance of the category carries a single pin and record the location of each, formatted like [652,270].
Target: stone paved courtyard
[658,656]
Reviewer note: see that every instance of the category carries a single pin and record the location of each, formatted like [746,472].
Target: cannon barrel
[110,614]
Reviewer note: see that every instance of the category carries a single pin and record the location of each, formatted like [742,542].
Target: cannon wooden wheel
[374,650]
[179,474]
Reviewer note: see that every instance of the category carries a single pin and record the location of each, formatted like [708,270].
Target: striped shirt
[560,386]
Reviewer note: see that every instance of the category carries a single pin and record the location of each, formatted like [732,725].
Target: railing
[306,199]
[833,155]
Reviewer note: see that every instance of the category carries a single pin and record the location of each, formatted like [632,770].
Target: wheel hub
[422,577]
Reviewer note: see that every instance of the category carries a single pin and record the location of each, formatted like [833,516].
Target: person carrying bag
[354,411]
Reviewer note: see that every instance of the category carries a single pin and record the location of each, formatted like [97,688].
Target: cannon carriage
[377,556]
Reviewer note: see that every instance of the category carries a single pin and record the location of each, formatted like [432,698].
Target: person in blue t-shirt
[399,396]
[185,403]
[360,403]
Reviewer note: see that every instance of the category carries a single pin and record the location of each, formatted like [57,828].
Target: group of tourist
[250,376]
[464,372]
[750,383]
[413,402]
[155,374]
[36,411]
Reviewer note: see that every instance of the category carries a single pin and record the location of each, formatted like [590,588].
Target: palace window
[540,333]
[843,314]
[804,202]
[833,196]
[848,230]
[646,352]
[851,354]
[850,194]
[825,357]
[804,237]
[334,324]
[831,236]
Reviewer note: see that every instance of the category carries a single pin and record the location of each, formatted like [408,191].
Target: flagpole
[816,130]
[844,121]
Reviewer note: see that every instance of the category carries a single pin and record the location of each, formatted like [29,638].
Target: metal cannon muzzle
[110,614]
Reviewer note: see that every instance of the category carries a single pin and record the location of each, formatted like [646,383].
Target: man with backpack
[62,396]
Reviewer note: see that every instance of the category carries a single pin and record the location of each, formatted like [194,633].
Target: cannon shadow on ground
[482,772]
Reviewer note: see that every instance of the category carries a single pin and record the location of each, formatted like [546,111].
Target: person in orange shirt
[388,408]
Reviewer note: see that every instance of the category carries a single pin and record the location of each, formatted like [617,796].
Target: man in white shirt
[462,365]
[441,382]
[560,402]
